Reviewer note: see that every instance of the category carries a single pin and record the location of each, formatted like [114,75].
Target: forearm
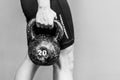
[43,3]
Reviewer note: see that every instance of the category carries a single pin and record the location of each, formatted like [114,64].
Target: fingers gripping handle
[57,24]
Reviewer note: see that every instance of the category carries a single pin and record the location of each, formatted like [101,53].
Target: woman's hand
[45,16]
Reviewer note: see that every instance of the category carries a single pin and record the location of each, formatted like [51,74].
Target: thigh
[68,50]
[29,8]
[66,59]
[62,9]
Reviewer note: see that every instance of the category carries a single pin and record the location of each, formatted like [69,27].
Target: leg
[27,70]
[29,8]
[63,70]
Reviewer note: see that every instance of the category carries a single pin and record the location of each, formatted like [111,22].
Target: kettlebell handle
[57,24]
[60,30]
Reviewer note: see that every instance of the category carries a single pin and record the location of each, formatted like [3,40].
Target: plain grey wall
[97,32]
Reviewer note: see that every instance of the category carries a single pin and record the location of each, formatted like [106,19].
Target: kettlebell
[44,48]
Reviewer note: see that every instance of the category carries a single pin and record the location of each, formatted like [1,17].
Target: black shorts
[62,9]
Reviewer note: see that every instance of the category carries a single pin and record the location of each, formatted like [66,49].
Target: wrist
[43,3]
[43,8]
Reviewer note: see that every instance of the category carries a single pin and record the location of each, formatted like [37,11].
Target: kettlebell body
[43,49]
